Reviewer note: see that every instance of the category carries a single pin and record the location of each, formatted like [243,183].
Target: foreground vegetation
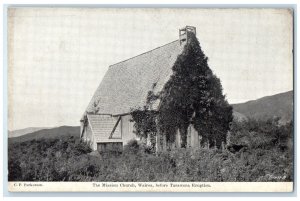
[257,151]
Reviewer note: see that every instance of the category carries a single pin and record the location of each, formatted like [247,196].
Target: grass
[266,156]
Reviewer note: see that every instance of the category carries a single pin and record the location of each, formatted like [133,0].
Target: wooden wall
[193,140]
[88,137]
[194,137]
[127,129]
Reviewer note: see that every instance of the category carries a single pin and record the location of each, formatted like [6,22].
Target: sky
[58,56]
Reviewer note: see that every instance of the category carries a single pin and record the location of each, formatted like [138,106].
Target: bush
[68,159]
[44,159]
[132,145]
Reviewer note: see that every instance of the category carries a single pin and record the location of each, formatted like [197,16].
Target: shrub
[132,146]
[44,159]
[68,159]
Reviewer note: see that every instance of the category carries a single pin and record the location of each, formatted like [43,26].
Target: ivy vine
[192,95]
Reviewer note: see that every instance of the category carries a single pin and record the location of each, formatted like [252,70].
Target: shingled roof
[102,126]
[126,84]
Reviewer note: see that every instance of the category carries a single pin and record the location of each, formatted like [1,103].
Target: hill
[279,105]
[48,134]
[239,117]
[17,133]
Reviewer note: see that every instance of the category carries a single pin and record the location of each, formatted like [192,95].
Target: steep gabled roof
[102,126]
[126,84]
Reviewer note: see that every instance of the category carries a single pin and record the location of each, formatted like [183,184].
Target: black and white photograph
[150,99]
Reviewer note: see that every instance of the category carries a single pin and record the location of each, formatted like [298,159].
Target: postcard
[150,99]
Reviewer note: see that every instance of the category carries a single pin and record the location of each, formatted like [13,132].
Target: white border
[213,3]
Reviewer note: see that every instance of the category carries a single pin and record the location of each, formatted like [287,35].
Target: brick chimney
[183,33]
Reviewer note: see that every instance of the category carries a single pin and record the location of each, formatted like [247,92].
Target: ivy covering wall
[192,95]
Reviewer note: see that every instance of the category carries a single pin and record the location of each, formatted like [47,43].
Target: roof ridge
[143,53]
[118,91]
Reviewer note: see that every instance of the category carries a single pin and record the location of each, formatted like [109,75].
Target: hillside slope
[48,134]
[17,133]
[279,105]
